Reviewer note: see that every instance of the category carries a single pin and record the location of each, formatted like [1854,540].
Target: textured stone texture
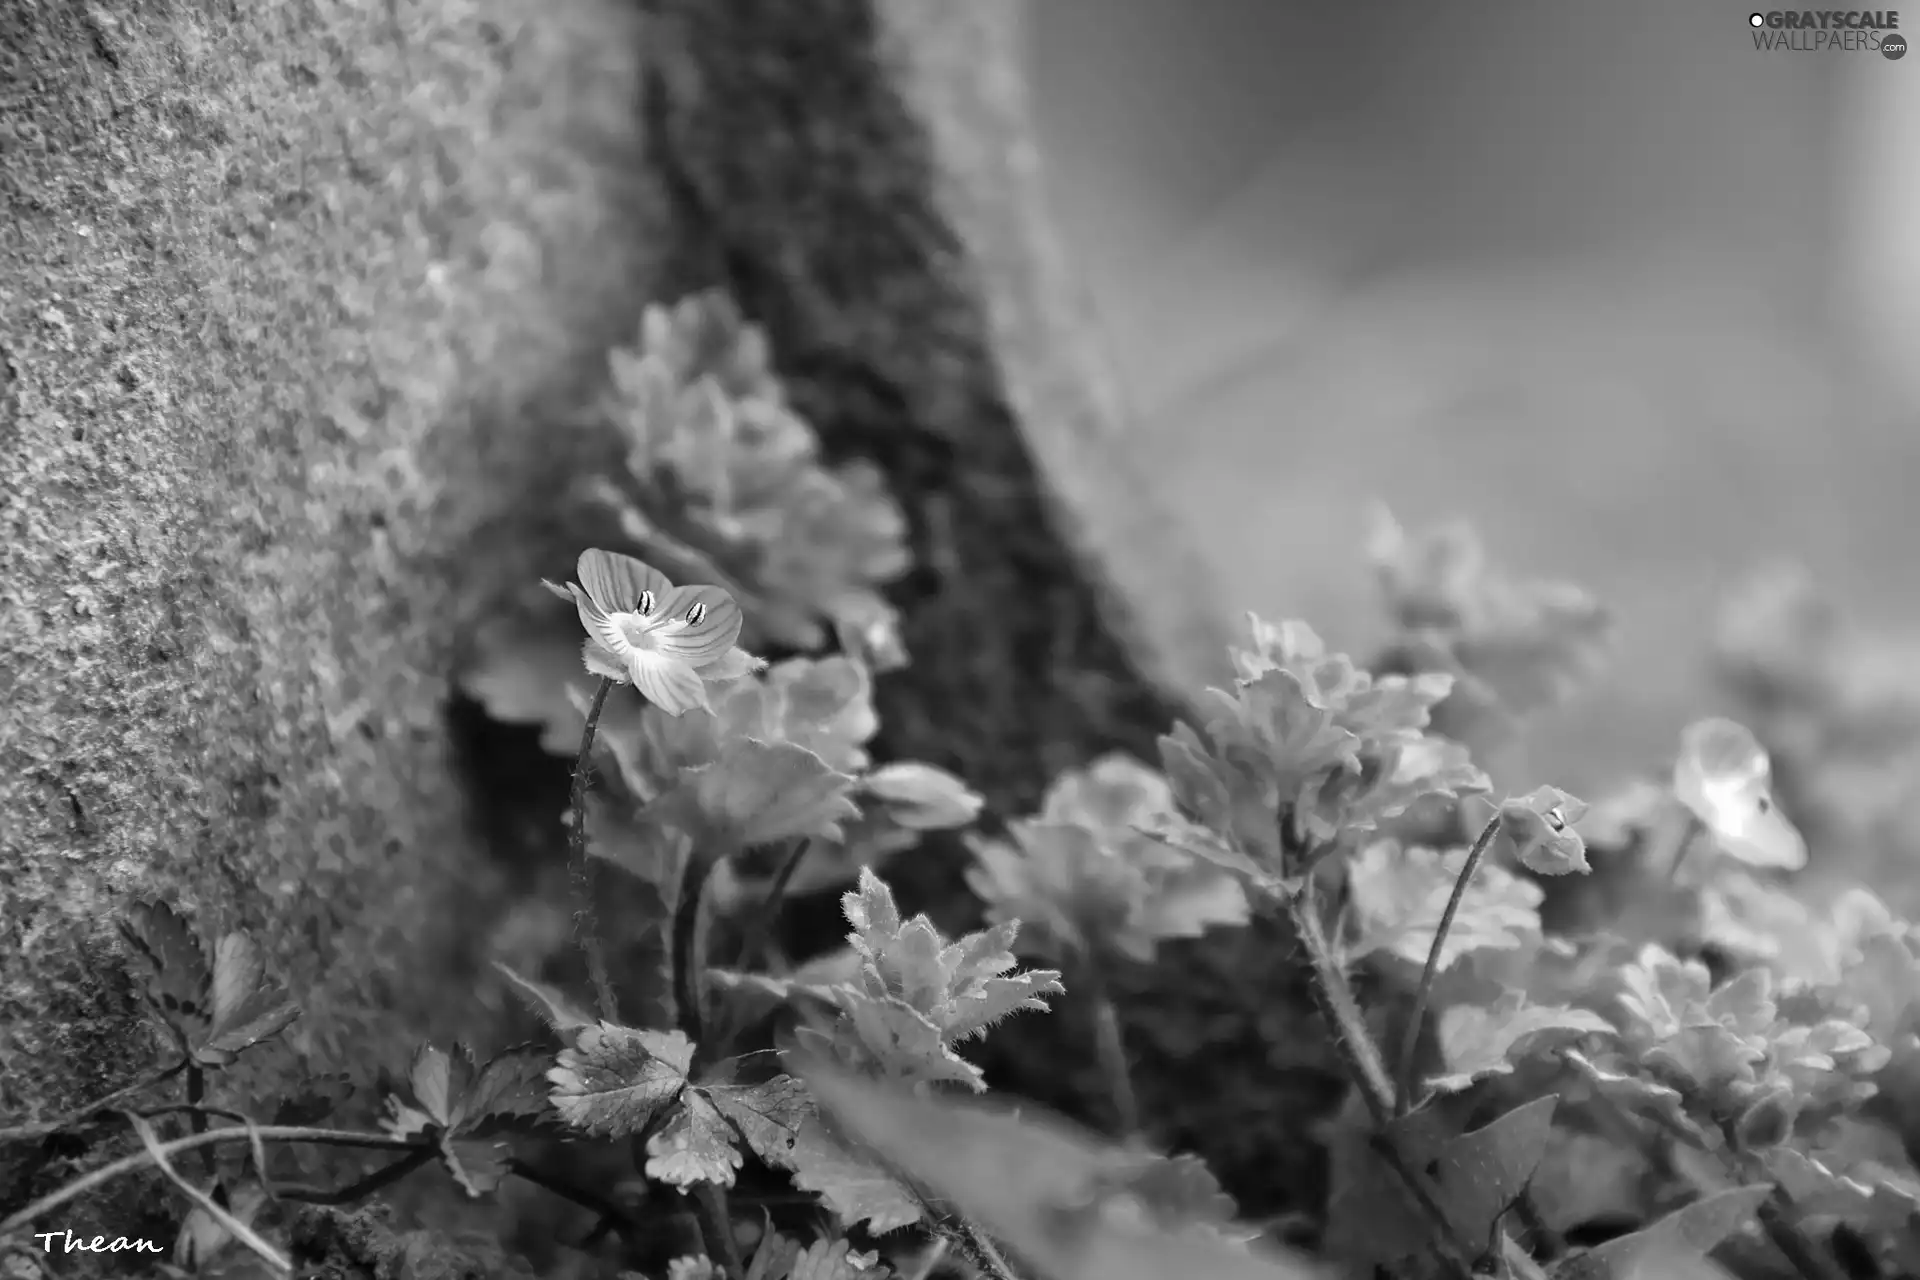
[296,303]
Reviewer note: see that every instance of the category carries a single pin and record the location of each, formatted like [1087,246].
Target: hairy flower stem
[1112,1050]
[1410,1037]
[1361,1057]
[586,927]
[971,1243]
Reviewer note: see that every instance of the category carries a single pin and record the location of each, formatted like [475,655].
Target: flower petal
[667,683]
[616,581]
[604,631]
[706,640]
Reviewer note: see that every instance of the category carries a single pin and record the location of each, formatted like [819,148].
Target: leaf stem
[1111,1047]
[586,927]
[759,935]
[385,1175]
[687,954]
[236,1133]
[716,1227]
[1410,1035]
[606,1209]
[1361,1057]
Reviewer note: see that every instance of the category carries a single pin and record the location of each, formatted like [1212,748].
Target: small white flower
[668,642]
[1724,777]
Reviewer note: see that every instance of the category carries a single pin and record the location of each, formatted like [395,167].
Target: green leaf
[460,1110]
[1399,894]
[1880,1203]
[1478,1041]
[1474,1178]
[614,1079]
[919,797]
[962,988]
[1082,880]
[1683,1236]
[852,1185]
[247,1007]
[695,1146]
[1036,1186]
[768,1117]
[214,1013]
[757,793]
[833,1260]
[1660,1102]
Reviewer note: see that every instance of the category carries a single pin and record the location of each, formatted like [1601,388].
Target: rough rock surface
[297,306]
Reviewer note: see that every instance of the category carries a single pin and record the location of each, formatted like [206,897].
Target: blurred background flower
[1638,299]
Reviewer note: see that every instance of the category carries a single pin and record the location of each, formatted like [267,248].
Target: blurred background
[1640,300]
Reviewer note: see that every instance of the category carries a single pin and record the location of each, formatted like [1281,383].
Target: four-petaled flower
[1540,825]
[669,642]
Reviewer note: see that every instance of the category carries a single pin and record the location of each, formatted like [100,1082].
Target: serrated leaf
[176,985]
[459,1108]
[695,1146]
[1028,1183]
[768,1116]
[553,1006]
[510,1093]
[852,1185]
[960,988]
[246,1007]
[1685,1235]
[614,1079]
[1477,1041]
[1637,1095]
[826,706]
[899,1042]
[1879,1204]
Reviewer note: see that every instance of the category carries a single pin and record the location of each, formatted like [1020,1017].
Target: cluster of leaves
[1717,1056]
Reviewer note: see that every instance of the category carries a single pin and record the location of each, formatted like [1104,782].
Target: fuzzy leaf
[1478,1041]
[1033,1184]
[1683,1236]
[1878,1204]
[963,987]
[614,1079]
